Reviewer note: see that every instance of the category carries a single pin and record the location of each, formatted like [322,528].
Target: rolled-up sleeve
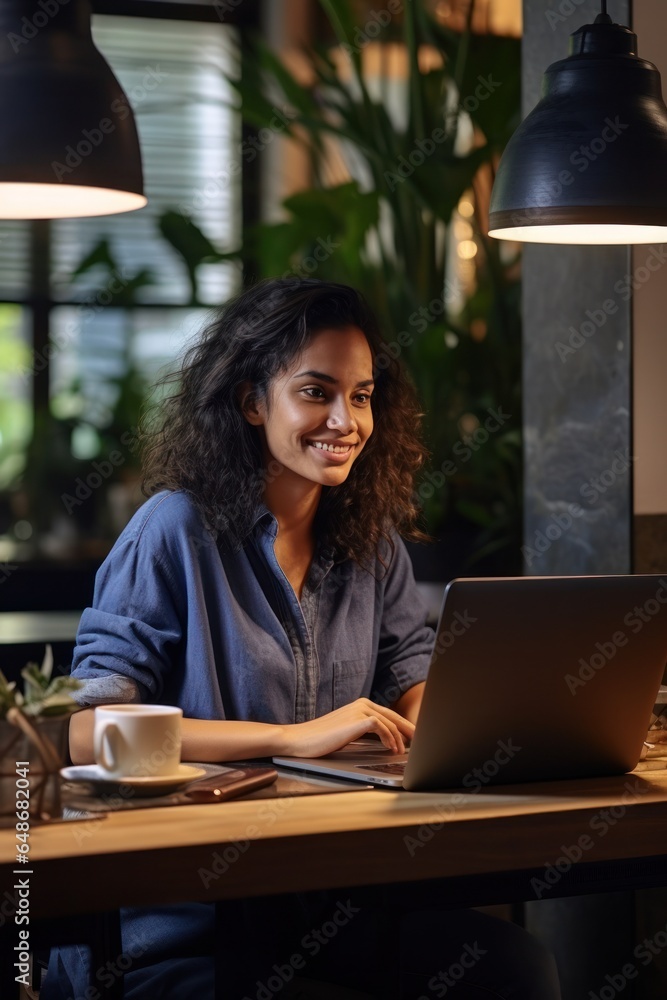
[406,641]
[126,640]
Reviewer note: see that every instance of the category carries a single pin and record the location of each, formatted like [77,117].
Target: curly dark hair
[202,444]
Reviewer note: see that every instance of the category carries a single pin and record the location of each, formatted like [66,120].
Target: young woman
[265,588]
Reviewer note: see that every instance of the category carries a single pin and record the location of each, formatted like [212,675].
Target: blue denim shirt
[175,619]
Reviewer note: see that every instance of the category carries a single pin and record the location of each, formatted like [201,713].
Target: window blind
[174,73]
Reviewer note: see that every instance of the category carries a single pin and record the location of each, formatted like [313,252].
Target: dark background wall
[578,438]
[577,406]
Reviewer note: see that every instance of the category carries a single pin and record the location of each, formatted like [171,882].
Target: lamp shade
[589,163]
[68,141]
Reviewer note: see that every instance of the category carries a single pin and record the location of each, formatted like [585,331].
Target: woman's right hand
[332,731]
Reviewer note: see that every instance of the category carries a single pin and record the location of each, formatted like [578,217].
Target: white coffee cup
[138,741]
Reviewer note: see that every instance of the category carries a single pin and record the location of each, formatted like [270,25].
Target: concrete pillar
[577,400]
[577,419]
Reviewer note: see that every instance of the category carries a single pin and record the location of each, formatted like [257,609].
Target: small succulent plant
[42,696]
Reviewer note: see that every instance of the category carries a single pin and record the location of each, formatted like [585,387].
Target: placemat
[287,785]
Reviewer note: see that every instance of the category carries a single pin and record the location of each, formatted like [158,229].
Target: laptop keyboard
[398,769]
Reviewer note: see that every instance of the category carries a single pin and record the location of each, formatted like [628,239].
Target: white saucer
[152,784]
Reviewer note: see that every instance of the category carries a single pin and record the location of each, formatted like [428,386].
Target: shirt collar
[266,519]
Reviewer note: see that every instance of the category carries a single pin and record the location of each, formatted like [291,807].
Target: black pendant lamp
[589,163]
[68,140]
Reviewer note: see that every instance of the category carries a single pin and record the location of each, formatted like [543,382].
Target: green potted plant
[33,738]
[388,227]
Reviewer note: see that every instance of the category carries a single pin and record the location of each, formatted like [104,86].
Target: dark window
[92,309]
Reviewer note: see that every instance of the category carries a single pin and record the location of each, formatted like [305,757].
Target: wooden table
[520,842]
[301,843]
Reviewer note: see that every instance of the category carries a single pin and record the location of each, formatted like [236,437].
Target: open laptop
[531,679]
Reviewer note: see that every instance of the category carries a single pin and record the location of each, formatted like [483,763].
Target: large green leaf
[387,233]
[326,226]
[490,81]
[190,243]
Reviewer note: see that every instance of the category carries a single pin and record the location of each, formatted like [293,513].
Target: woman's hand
[332,731]
[656,744]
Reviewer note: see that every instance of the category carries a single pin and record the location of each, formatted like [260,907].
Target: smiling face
[319,416]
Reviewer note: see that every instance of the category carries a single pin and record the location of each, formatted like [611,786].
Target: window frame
[38,300]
